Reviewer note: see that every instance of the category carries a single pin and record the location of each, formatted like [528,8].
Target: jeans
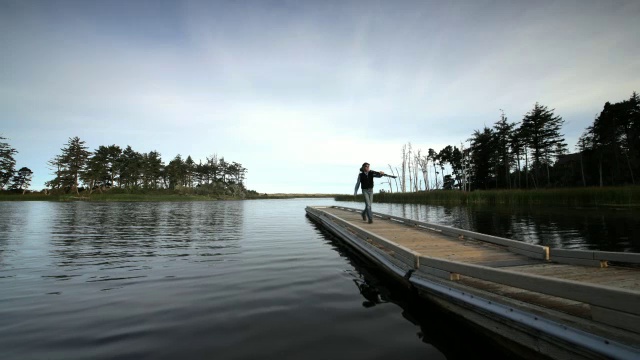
[368,200]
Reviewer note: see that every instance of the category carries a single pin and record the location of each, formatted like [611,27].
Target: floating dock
[564,304]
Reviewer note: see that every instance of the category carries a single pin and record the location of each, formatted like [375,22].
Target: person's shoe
[364,217]
[370,221]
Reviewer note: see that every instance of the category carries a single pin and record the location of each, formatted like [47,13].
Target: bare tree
[404,167]
[409,167]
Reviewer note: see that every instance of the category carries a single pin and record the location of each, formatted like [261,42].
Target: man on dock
[365,178]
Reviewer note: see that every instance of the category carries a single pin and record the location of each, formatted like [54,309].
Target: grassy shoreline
[147,197]
[627,196]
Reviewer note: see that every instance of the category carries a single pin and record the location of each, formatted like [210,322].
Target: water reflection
[117,239]
[370,293]
[569,228]
[434,326]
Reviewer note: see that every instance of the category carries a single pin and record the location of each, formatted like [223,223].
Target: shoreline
[622,196]
[148,197]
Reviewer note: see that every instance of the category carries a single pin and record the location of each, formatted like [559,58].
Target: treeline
[10,179]
[113,167]
[531,153]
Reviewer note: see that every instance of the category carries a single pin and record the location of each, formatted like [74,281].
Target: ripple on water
[197,280]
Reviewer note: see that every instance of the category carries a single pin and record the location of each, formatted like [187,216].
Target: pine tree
[482,158]
[503,132]
[129,166]
[612,144]
[22,179]
[189,166]
[70,165]
[99,168]
[7,163]
[176,172]
[540,130]
[152,167]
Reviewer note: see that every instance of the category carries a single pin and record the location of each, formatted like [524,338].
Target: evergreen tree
[456,166]
[444,157]
[57,167]
[222,170]
[98,169]
[212,168]
[113,155]
[482,158]
[22,179]
[201,173]
[236,173]
[7,162]
[632,136]
[190,168]
[503,132]
[70,165]
[152,168]
[432,155]
[176,173]
[610,147]
[540,130]
[129,166]
[517,149]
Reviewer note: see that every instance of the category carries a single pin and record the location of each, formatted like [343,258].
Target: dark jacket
[366,180]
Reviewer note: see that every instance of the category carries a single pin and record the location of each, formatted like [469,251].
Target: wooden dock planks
[435,244]
[580,297]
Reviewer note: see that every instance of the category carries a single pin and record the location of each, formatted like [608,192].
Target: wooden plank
[578,254]
[609,297]
[506,263]
[616,318]
[542,255]
[543,250]
[585,262]
[631,258]
[438,273]
[399,251]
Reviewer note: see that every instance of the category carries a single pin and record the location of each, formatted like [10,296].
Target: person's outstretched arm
[355,192]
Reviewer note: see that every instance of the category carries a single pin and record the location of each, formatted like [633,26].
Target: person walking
[365,179]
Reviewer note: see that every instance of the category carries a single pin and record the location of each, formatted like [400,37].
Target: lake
[238,280]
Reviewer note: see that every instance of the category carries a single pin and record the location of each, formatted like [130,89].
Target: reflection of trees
[15,220]
[7,227]
[124,234]
[587,229]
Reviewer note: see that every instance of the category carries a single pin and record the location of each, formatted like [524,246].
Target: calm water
[235,280]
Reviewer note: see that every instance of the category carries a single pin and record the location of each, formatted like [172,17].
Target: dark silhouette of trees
[22,180]
[176,172]
[503,140]
[483,158]
[533,153]
[432,156]
[98,171]
[111,167]
[540,132]
[7,162]
[70,166]
[610,147]
[151,170]
[129,165]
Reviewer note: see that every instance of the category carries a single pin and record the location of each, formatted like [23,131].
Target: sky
[301,93]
